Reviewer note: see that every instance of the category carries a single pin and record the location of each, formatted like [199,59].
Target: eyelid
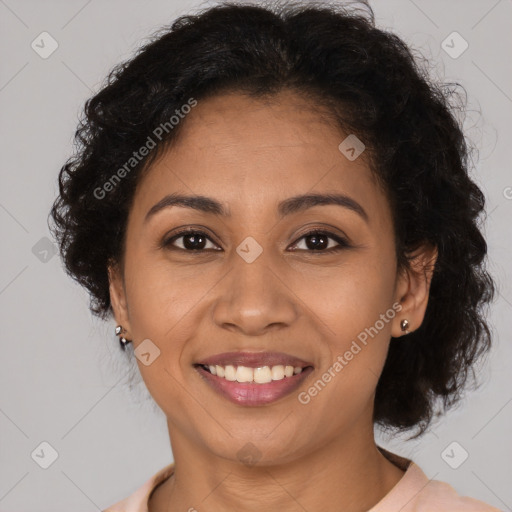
[341,240]
[326,229]
[168,240]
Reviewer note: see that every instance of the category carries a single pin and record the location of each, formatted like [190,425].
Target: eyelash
[343,244]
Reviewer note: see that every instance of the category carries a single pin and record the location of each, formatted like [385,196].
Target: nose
[254,299]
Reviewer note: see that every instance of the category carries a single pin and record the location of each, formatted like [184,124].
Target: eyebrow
[286,207]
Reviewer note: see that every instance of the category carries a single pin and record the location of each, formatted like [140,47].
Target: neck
[349,474]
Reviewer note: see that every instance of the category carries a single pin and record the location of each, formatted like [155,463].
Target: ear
[412,289]
[118,298]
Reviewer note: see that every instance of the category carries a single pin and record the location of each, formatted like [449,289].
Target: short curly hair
[375,88]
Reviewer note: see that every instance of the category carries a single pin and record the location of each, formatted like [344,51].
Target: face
[255,280]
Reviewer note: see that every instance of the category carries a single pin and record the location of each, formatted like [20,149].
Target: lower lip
[250,393]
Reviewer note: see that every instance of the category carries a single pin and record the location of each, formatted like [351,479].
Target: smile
[261,375]
[253,386]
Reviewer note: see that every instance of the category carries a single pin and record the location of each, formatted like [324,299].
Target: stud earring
[403,325]
[122,340]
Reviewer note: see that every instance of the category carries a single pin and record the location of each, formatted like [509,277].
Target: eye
[318,241]
[315,241]
[193,240]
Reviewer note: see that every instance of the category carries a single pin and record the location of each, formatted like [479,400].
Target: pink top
[414,492]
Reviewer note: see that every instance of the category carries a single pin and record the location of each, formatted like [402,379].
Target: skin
[319,456]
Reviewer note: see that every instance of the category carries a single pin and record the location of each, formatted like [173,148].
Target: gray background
[63,379]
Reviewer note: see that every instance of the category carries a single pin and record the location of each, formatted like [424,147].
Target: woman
[275,206]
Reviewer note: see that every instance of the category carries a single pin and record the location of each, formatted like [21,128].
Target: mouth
[258,375]
[253,379]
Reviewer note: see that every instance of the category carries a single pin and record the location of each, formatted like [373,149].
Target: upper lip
[254,359]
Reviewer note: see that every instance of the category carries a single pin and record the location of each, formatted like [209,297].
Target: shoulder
[443,496]
[415,492]
[138,500]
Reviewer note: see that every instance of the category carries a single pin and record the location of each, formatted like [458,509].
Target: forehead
[248,153]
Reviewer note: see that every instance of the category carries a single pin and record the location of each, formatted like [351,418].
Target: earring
[122,340]
[403,325]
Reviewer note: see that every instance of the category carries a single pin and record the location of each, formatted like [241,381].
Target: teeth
[261,375]
[277,372]
[244,374]
[230,373]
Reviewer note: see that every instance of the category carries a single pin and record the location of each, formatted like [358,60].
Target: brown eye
[192,241]
[318,241]
[315,241]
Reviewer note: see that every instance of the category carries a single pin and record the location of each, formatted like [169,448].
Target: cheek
[165,305]
[355,313]
[351,297]
[356,348]
[160,295]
